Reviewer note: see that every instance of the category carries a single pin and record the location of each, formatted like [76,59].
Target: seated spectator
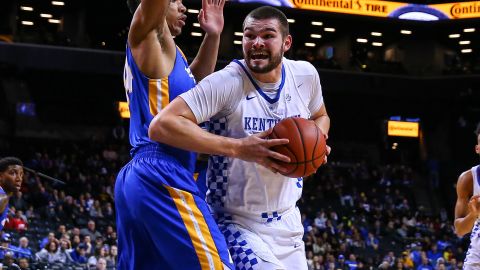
[78,255]
[62,230]
[372,241]
[23,251]
[9,262]
[90,230]
[425,265]
[352,262]
[100,252]
[434,254]
[23,264]
[112,257]
[64,250]
[49,253]
[50,238]
[101,264]
[5,245]
[16,222]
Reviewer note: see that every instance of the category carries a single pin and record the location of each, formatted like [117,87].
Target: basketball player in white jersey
[254,205]
[467,211]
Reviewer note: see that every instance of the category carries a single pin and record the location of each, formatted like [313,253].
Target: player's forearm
[323,122]
[182,133]
[204,63]
[464,225]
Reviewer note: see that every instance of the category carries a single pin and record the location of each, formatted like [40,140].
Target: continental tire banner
[459,10]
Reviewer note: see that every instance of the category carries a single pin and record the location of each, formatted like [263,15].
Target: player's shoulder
[465,179]
[300,67]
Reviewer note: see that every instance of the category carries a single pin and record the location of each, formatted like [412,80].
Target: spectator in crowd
[90,230]
[101,264]
[9,262]
[5,245]
[23,251]
[50,238]
[112,257]
[61,231]
[425,265]
[64,250]
[100,252]
[78,255]
[49,253]
[23,264]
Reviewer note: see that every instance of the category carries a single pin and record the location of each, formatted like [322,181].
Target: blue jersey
[3,217]
[146,97]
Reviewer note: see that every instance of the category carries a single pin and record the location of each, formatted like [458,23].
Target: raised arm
[150,40]
[467,207]
[211,21]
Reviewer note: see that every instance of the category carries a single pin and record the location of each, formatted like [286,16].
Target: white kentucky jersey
[473,252]
[238,106]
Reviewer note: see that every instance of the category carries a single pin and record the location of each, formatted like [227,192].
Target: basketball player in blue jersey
[162,223]
[11,177]
[254,206]
[467,211]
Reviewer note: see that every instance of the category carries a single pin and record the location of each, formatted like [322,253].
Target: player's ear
[287,43]
[477,148]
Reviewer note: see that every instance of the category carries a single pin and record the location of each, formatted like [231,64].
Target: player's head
[175,14]
[266,38]
[11,174]
[176,17]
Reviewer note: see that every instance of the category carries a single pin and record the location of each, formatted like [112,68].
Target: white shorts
[273,245]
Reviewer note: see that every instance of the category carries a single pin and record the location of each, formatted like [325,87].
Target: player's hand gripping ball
[306,148]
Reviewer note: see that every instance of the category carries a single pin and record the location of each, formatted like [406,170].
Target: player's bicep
[464,192]
[178,107]
[316,95]
[212,96]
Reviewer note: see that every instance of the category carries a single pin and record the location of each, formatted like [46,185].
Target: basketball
[306,147]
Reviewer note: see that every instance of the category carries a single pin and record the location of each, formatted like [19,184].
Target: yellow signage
[356,7]
[460,10]
[123,109]
[403,129]
[376,8]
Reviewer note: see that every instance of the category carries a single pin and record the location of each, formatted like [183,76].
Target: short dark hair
[268,12]
[133,5]
[9,161]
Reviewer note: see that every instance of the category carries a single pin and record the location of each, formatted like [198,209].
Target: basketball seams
[289,150]
[308,143]
[303,145]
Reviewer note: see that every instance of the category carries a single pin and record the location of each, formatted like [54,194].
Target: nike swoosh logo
[300,85]
[248,98]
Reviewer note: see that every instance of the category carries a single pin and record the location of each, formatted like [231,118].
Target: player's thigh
[182,229]
[168,225]
[248,250]
[284,237]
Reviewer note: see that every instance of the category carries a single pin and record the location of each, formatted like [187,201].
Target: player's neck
[270,77]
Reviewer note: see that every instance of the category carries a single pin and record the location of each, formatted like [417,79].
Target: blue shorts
[162,223]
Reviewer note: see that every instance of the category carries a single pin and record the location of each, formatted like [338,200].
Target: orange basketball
[306,147]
